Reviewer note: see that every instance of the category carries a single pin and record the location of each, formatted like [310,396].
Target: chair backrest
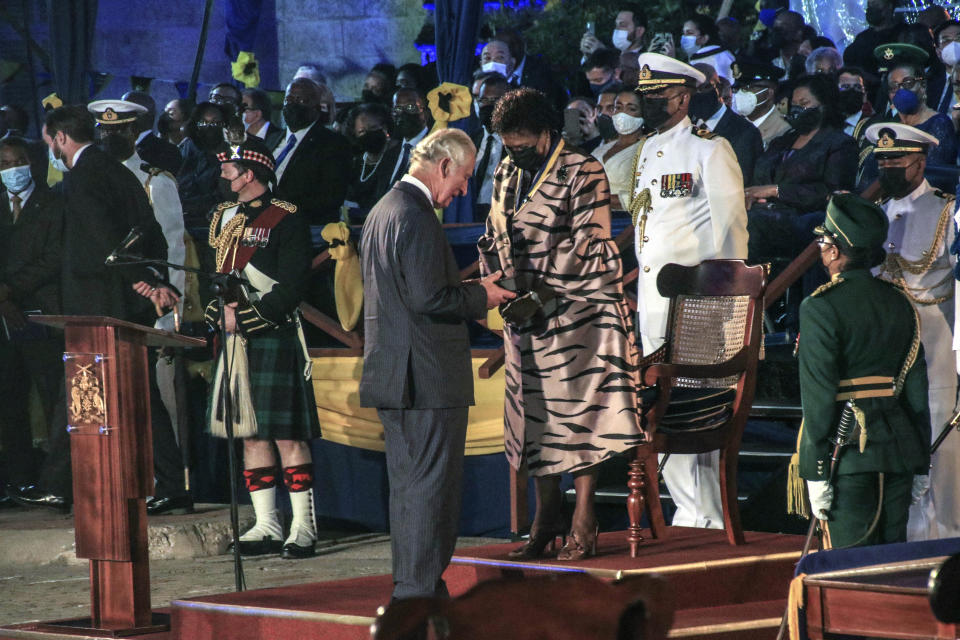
[714,313]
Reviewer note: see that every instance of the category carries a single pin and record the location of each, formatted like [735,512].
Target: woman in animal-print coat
[571,368]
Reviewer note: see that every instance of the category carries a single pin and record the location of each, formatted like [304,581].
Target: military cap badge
[109,115]
[888,54]
[645,72]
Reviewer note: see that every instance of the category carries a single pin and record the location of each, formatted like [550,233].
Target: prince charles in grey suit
[417,367]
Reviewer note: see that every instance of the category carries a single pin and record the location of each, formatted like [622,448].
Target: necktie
[15,202]
[484,162]
[402,167]
[292,140]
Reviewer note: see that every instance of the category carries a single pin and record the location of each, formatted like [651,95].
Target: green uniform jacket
[856,327]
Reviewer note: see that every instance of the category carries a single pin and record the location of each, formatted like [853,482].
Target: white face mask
[625,123]
[950,54]
[56,162]
[621,39]
[689,44]
[498,67]
[744,102]
[16,179]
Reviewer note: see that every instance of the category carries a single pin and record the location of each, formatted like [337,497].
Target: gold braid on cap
[229,237]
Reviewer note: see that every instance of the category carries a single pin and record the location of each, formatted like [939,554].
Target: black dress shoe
[259,547]
[33,496]
[177,505]
[294,551]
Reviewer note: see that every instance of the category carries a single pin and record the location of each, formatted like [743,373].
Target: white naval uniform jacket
[913,227]
[697,214]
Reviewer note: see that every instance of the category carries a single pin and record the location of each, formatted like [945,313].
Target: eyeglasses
[851,86]
[945,40]
[203,124]
[907,83]
[407,108]
[291,99]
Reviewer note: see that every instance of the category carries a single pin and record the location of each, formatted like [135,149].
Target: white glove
[821,497]
[921,485]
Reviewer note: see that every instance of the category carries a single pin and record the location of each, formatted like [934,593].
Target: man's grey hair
[828,54]
[445,143]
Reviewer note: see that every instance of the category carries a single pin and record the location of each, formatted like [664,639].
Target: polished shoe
[301,541]
[294,551]
[541,542]
[580,545]
[177,505]
[260,547]
[33,496]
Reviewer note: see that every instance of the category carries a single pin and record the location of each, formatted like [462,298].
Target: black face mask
[117,146]
[209,138]
[526,158]
[654,111]
[369,96]
[407,125]
[893,181]
[298,116]
[851,101]
[804,120]
[874,16]
[372,141]
[223,188]
[485,113]
[605,125]
[778,39]
[703,105]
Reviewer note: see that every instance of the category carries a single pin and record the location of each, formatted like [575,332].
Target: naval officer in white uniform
[688,206]
[919,261]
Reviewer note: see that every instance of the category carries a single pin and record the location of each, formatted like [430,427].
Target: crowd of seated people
[794,107]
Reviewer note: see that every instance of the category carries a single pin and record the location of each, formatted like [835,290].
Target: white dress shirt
[414,141]
[300,135]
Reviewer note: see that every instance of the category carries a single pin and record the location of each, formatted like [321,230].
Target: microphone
[132,238]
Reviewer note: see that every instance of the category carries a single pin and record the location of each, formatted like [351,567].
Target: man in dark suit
[31,224]
[417,368]
[256,117]
[153,150]
[313,162]
[707,110]
[103,201]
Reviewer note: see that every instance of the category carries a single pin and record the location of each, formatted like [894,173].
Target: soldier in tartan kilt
[264,240]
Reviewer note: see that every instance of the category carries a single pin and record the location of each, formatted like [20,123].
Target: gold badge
[888,54]
[735,70]
[645,73]
[886,140]
[86,403]
[109,115]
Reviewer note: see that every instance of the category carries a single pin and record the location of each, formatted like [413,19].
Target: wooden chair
[701,392]
[559,607]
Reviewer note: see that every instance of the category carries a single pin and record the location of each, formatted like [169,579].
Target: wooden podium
[108,415]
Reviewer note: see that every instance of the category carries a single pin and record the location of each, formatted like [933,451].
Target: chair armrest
[735,365]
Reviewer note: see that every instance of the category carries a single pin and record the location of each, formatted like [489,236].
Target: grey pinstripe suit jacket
[417,347]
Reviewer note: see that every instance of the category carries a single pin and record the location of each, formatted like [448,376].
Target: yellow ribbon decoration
[347,281]
[246,70]
[448,103]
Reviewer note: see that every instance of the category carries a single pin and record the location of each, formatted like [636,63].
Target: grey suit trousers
[425,449]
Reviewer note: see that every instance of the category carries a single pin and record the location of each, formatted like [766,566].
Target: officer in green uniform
[860,341]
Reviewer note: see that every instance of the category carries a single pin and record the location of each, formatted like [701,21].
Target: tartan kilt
[282,398]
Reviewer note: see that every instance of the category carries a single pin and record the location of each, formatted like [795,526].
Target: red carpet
[721,591]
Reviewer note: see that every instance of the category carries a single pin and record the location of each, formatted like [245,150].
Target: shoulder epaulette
[706,134]
[826,287]
[283,204]
[225,205]
[943,194]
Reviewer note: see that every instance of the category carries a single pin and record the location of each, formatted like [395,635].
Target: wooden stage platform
[721,592]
